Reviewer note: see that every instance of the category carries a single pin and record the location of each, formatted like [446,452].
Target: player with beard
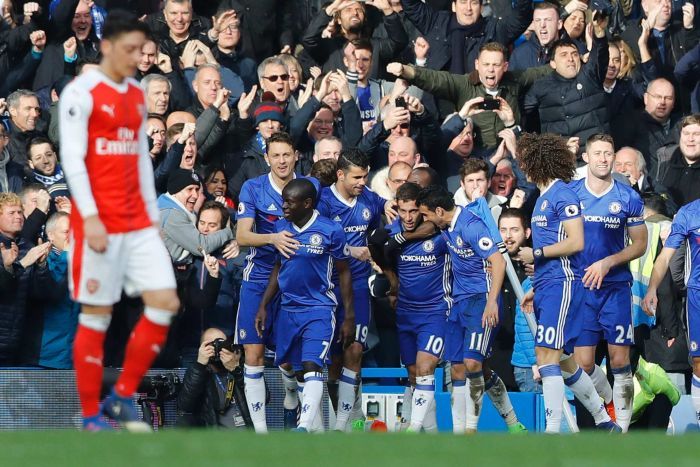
[260,206]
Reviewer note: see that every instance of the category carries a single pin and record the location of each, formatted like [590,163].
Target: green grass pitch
[221,448]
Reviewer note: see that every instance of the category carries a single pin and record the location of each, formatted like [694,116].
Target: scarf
[48,180]
[458,35]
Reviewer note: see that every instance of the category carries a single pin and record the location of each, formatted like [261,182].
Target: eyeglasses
[230,29]
[274,78]
[661,98]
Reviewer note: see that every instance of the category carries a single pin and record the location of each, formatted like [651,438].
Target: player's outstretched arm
[572,244]
[657,275]
[271,290]
[596,272]
[347,330]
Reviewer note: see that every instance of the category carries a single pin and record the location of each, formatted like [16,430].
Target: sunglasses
[274,78]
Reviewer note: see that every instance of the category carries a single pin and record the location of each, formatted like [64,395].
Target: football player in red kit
[115,239]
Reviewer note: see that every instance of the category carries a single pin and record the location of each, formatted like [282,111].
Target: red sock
[88,350]
[144,346]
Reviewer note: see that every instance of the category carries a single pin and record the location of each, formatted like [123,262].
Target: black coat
[576,106]
[22,286]
[434,25]
[266,26]
[161,33]
[682,180]
[648,136]
[52,64]
[328,53]
[200,396]
[14,48]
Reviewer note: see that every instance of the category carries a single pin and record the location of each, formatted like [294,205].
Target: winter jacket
[348,125]
[329,52]
[577,106]
[687,73]
[24,284]
[52,64]
[458,89]
[14,46]
[266,26]
[180,235]
[199,27]
[678,41]
[682,180]
[648,135]
[11,174]
[202,398]
[434,25]
[54,321]
[524,348]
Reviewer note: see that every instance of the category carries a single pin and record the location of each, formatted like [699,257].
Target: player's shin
[347,389]
[581,385]
[311,403]
[474,399]
[407,406]
[695,396]
[498,394]
[289,380]
[254,381]
[601,383]
[623,395]
[553,392]
[459,406]
[423,396]
[147,339]
[88,350]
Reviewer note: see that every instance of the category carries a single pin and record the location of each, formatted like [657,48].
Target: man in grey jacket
[177,221]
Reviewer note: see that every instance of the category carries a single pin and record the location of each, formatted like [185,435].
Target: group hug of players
[305,289]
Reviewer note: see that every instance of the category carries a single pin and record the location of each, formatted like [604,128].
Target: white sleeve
[146,177]
[74,110]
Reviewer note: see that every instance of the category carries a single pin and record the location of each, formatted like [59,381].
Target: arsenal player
[115,241]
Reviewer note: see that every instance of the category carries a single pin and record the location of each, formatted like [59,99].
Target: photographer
[212,391]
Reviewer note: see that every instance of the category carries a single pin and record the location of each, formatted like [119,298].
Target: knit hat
[268,109]
[180,179]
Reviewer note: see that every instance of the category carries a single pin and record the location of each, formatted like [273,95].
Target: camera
[220,344]
[490,103]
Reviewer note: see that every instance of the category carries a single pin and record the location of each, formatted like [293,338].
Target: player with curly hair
[557,233]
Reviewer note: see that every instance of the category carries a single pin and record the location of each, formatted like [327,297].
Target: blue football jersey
[686,230]
[305,277]
[557,204]
[356,217]
[425,275]
[469,243]
[605,221]
[260,199]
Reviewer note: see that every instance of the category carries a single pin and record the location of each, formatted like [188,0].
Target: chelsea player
[557,233]
[306,320]
[615,234]
[260,206]
[357,210]
[421,285]
[473,321]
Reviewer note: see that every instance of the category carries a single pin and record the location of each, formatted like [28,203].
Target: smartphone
[490,104]
[401,103]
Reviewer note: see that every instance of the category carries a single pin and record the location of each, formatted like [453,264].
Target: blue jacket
[524,347]
[60,317]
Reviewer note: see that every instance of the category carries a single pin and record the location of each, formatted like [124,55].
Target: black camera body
[220,344]
[602,8]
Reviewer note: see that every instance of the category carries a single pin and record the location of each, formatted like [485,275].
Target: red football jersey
[104,153]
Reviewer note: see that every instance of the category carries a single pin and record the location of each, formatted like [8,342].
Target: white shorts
[134,262]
